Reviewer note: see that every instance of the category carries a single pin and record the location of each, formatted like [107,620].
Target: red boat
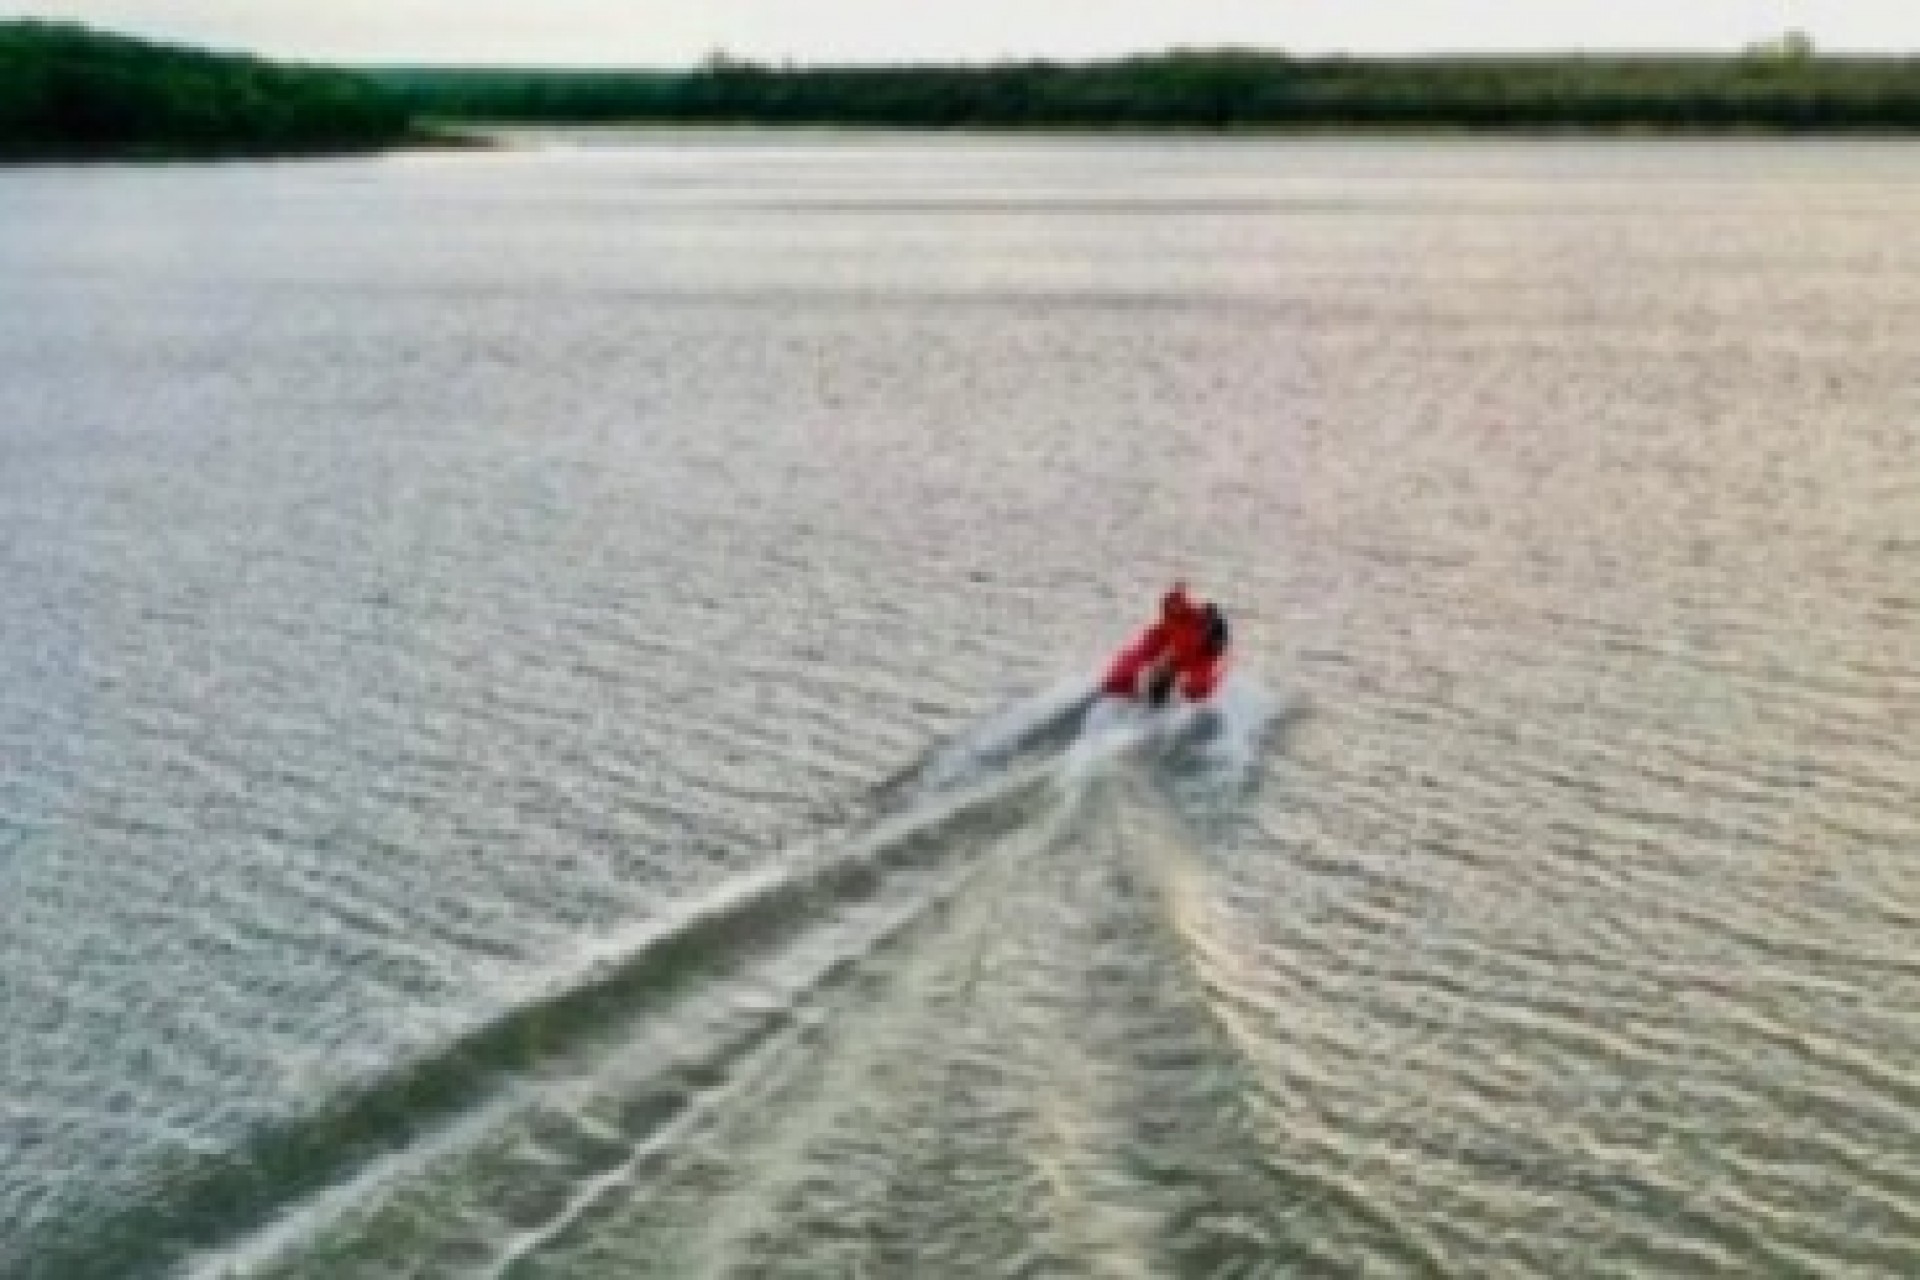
[1185,652]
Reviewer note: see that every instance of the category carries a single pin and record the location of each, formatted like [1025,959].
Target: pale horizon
[610,33]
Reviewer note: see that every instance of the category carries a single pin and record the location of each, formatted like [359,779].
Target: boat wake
[731,1054]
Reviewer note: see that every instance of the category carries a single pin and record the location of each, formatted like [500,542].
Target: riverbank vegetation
[1782,85]
[70,93]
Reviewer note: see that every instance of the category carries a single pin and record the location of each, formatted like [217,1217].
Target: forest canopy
[1781,85]
[67,92]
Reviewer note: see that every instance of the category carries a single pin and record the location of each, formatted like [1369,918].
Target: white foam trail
[991,743]
[1227,732]
[1243,711]
[1224,737]
[1111,730]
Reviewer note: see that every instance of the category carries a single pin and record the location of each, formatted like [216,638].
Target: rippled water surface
[539,706]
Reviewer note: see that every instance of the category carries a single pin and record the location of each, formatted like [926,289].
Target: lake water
[538,724]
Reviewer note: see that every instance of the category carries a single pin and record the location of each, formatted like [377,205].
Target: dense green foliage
[1781,86]
[481,93]
[69,92]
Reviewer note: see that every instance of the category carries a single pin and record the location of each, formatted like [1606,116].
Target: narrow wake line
[593,1190]
[299,1219]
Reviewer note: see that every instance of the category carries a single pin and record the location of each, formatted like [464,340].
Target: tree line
[1781,86]
[66,91]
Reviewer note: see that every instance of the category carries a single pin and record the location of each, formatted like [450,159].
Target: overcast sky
[680,32]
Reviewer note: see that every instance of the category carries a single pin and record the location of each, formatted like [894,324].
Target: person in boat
[1185,651]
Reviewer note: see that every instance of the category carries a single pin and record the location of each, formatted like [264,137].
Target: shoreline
[426,139]
[501,134]
[523,135]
